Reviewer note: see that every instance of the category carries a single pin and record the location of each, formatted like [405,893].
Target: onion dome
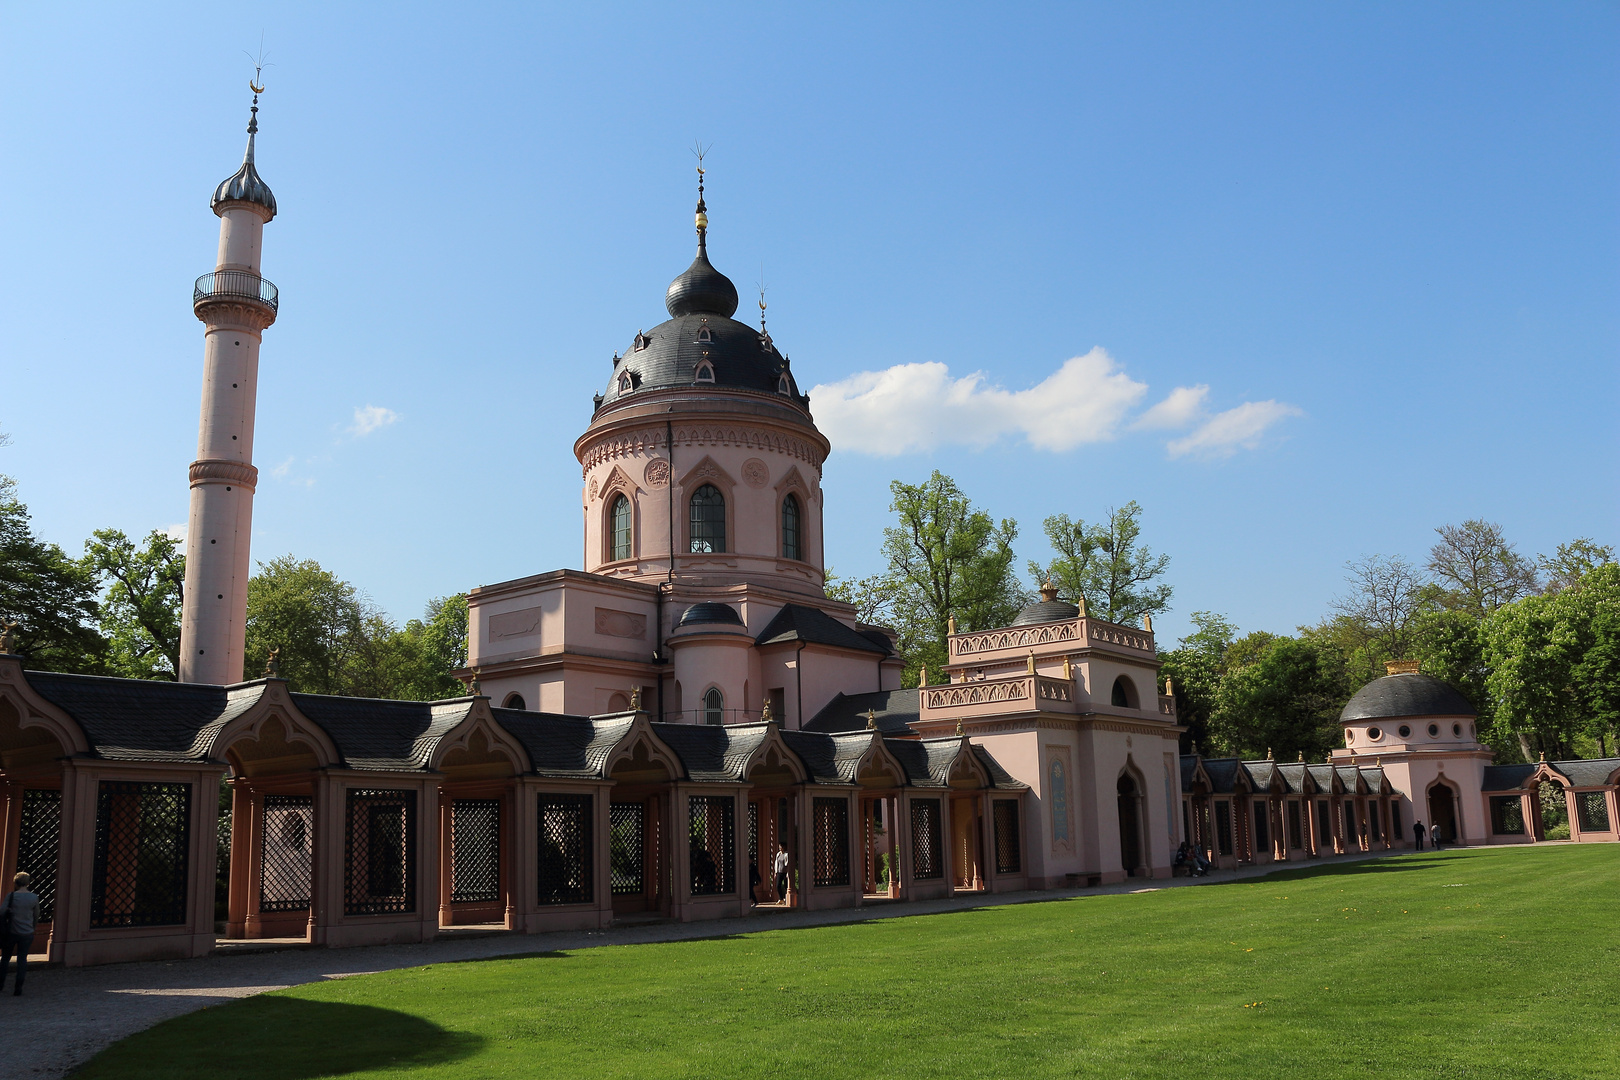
[1406,693]
[711,613]
[1049,609]
[245,185]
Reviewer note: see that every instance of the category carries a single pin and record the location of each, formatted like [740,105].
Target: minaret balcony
[235,287]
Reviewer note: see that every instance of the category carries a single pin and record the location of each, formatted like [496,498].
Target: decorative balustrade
[235,285]
[1084,632]
[1036,691]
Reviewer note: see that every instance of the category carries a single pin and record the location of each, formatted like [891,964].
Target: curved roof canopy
[1414,694]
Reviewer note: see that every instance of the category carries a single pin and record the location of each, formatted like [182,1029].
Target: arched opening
[1130,825]
[791,545]
[705,373]
[714,706]
[29,758]
[514,701]
[1443,813]
[638,859]
[1124,695]
[707,520]
[619,519]
[1553,806]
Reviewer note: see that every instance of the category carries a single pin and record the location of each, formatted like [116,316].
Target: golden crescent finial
[255,89]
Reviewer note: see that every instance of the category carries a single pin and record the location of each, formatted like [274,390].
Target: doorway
[1443,813]
[1130,830]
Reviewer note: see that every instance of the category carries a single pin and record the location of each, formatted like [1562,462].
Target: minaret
[235,305]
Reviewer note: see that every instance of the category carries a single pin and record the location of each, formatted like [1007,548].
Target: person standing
[1417,835]
[779,868]
[19,911]
[1436,834]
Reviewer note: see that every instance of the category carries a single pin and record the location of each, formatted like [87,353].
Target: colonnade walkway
[67,1015]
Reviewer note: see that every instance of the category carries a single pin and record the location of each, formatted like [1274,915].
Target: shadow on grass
[271,1037]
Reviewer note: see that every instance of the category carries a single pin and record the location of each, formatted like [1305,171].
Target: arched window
[714,707]
[619,516]
[791,546]
[707,520]
[783,386]
[513,701]
[1124,694]
[705,372]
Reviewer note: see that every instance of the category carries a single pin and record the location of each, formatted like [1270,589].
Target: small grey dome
[701,289]
[245,185]
[723,614]
[1046,611]
[1412,694]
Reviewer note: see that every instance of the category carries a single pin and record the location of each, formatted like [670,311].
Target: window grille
[1593,809]
[621,518]
[628,822]
[38,843]
[475,851]
[926,840]
[1324,824]
[1223,827]
[753,837]
[565,849]
[1374,819]
[1507,815]
[1296,835]
[1009,859]
[143,849]
[790,528]
[714,707]
[713,844]
[379,858]
[831,824]
[707,520]
[288,852]
[1262,827]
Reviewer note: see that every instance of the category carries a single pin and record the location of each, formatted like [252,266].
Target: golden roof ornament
[960,730]
[950,624]
[1080,602]
[871,720]
[476,687]
[635,699]
[1048,592]
[1147,622]
[1032,661]
[272,663]
[1400,667]
[8,637]
[765,716]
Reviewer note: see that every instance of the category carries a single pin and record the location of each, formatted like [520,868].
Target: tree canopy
[1107,565]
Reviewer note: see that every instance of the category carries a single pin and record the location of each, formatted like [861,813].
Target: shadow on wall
[322,1038]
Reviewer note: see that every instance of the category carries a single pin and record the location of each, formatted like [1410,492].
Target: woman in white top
[21,907]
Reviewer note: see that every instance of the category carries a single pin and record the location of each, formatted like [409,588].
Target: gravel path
[67,1015]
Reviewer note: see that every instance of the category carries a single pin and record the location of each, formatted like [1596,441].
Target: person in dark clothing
[1417,835]
[753,881]
[19,911]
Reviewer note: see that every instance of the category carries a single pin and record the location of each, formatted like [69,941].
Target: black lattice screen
[286,866]
[1009,858]
[1592,808]
[143,853]
[379,864]
[475,850]
[926,839]
[628,852]
[38,844]
[714,844]
[753,833]
[830,822]
[565,849]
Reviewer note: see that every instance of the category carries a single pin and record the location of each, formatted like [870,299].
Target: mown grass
[1497,963]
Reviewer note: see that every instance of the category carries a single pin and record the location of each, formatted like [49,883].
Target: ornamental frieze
[652,440]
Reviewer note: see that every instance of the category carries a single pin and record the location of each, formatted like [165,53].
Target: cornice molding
[218,471]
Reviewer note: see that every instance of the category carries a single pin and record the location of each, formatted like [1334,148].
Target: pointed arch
[479,748]
[877,768]
[31,728]
[639,755]
[269,734]
[772,763]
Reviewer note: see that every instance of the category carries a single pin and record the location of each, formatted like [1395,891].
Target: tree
[946,558]
[1195,670]
[318,623]
[1387,596]
[1479,569]
[1573,561]
[51,597]
[438,646]
[872,596]
[141,606]
[1107,565]
[1286,702]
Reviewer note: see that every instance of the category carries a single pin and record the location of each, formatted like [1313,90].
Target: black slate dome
[701,288]
[1414,694]
[722,614]
[245,185]
[1048,609]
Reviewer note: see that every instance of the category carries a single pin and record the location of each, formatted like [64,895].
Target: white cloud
[370,418]
[177,533]
[912,407]
[280,471]
[1223,434]
[1184,405]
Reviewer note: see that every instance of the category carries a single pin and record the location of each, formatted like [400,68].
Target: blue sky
[1383,238]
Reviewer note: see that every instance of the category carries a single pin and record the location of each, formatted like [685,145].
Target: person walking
[1436,834]
[1417,835]
[779,868]
[19,911]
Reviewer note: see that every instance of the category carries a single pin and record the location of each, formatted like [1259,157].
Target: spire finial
[762,305]
[702,218]
[255,84]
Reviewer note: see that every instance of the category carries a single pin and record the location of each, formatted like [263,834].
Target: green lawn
[1500,964]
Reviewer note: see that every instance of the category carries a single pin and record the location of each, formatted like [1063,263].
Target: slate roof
[1261,773]
[1593,772]
[1222,773]
[1323,775]
[564,747]
[1414,694]
[1293,778]
[1374,776]
[799,622]
[1189,771]
[816,751]
[373,733]
[154,721]
[1348,775]
[712,752]
[1045,611]
[896,711]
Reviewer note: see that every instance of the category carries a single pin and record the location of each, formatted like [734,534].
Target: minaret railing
[235,285]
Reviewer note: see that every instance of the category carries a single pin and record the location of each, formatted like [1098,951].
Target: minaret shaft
[235,305]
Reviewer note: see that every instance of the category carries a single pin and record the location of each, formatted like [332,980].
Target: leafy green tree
[946,558]
[1572,562]
[437,645]
[141,606]
[50,597]
[1108,565]
[1287,701]
[873,596]
[1379,617]
[1478,570]
[1195,671]
[316,621]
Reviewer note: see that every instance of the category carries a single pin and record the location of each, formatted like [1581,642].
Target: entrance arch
[1130,824]
[1442,800]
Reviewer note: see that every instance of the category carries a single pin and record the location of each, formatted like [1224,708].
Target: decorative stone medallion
[755,474]
[657,474]
[593,487]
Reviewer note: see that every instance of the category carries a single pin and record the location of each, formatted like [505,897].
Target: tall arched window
[791,546]
[1124,696]
[619,516]
[707,519]
[714,707]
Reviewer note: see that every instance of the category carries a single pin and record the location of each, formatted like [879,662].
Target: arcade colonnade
[353,821]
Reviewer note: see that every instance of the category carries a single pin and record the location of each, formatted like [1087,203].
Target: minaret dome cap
[245,185]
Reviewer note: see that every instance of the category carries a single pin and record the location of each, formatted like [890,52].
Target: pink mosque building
[642,736]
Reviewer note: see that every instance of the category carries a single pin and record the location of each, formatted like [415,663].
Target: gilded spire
[702,216]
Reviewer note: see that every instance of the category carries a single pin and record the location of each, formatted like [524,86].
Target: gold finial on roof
[922,675]
[1268,754]
[1032,661]
[950,624]
[1302,755]
[272,663]
[1080,602]
[1544,756]
[1147,623]
[476,686]
[1048,591]
[871,719]
[8,637]
[635,699]
[960,730]
[765,716]
[1400,667]
[1068,670]
[1169,687]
